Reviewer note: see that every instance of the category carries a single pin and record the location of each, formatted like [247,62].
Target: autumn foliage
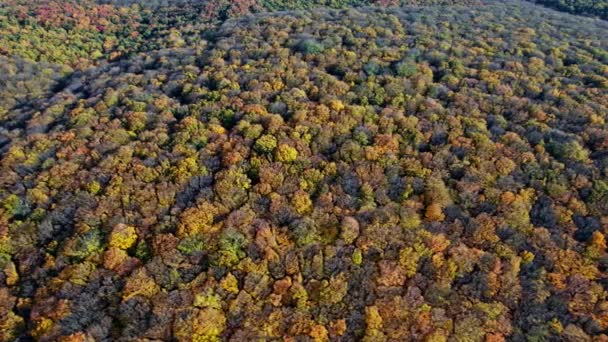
[214,171]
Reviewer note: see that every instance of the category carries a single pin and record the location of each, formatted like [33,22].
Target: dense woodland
[303,171]
[595,8]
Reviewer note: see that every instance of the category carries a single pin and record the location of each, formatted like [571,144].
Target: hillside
[594,8]
[401,173]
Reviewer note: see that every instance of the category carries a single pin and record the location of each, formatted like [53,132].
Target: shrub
[15,206]
[123,236]
[286,153]
[568,150]
[310,47]
[434,212]
[304,232]
[231,245]
[191,244]
[266,144]
[406,68]
[301,202]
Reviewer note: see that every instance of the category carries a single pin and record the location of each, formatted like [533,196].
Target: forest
[596,8]
[291,170]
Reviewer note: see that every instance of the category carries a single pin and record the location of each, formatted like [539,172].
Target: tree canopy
[274,170]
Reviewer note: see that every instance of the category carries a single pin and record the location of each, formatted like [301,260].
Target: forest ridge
[303,170]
